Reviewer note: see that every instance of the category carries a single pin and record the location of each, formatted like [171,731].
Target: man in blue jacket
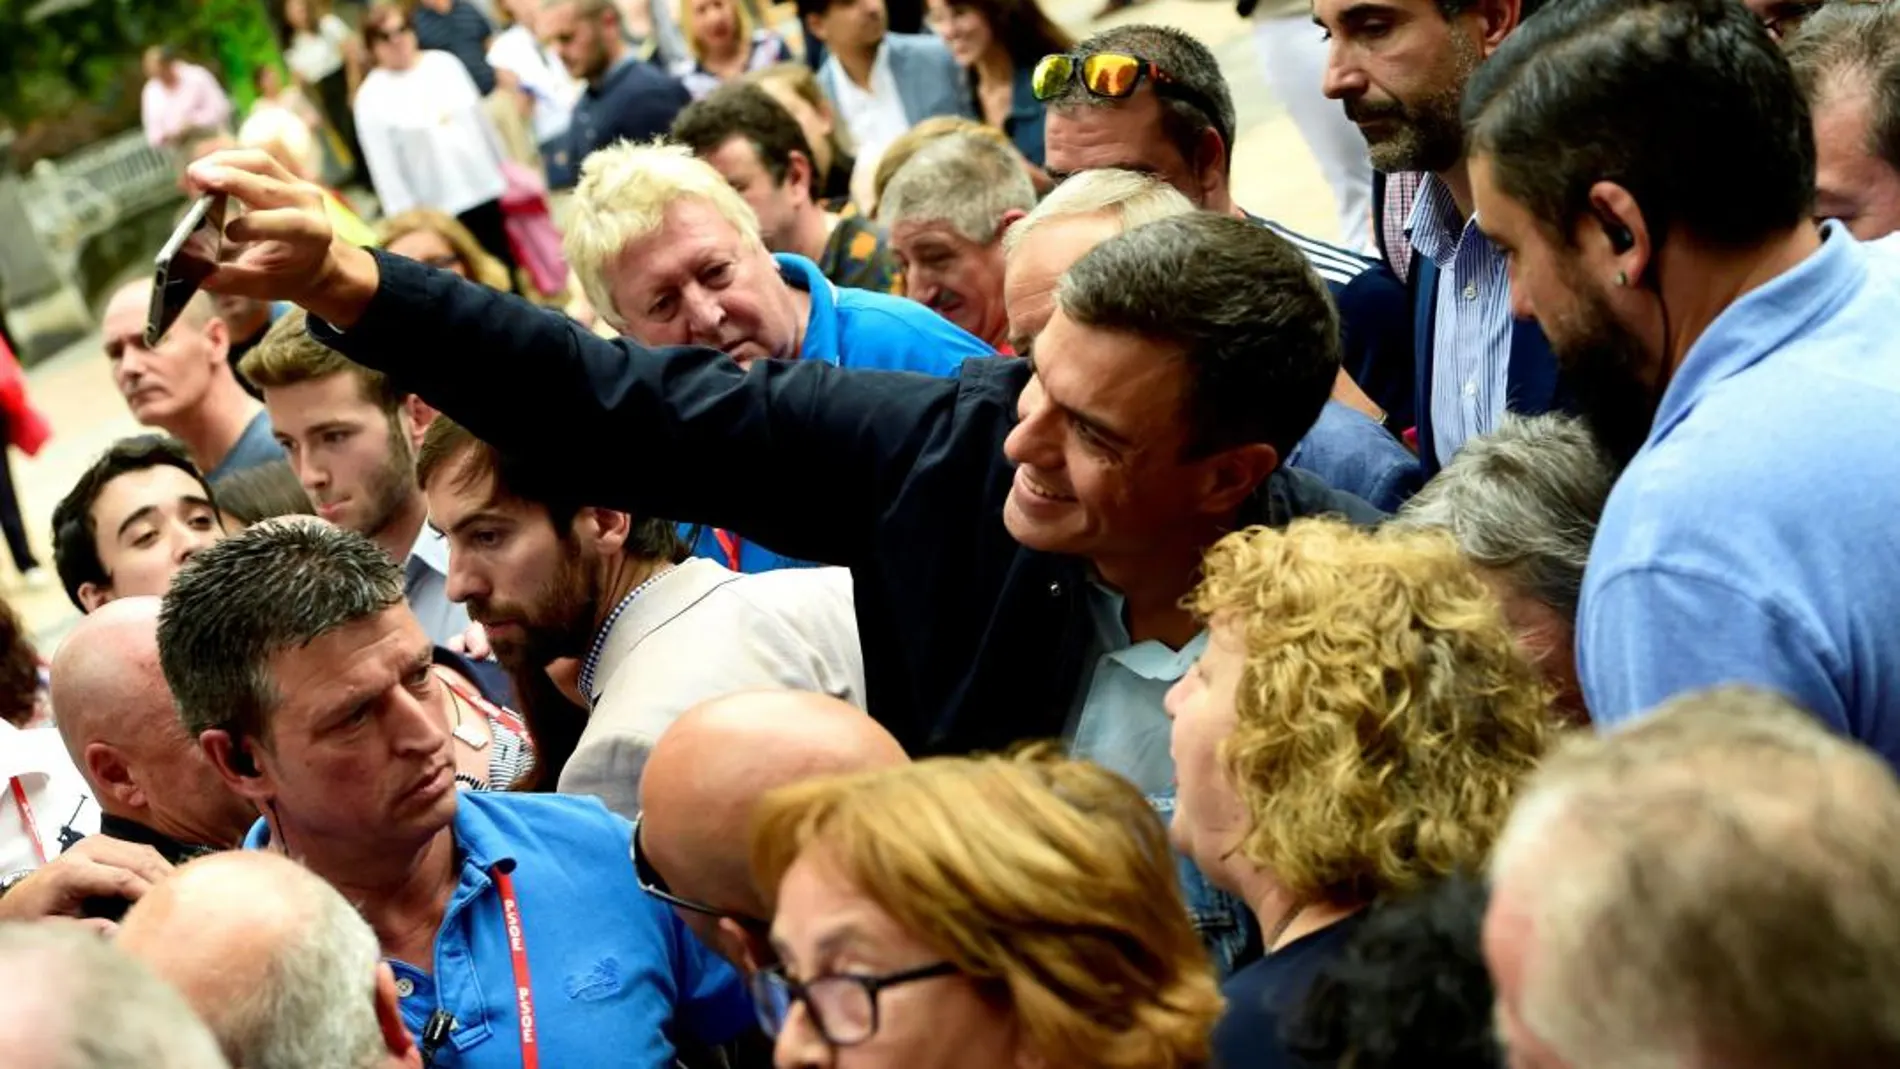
[1017,533]
[628,97]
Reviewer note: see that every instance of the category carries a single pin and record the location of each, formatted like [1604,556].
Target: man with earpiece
[514,923]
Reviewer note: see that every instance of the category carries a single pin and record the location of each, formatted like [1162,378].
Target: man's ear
[92,595]
[798,174]
[815,27]
[1010,218]
[1210,163]
[236,765]
[1496,20]
[218,333]
[110,776]
[744,947]
[1231,476]
[605,528]
[396,1038]
[414,415]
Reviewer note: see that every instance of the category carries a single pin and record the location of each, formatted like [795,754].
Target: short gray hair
[1261,357]
[316,1005]
[275,586]
[1848,48]
[1717,878]
[963,180]
[96,1006]
[1523,501]
[1131,197]
[1185,59]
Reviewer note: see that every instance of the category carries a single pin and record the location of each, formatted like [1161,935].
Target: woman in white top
[326,61]
[724,44]
[425,136]
[541,74]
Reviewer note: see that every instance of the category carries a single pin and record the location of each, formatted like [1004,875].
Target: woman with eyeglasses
[439,240]
[976,912]
[1356,729]
[425,136]
[997,44]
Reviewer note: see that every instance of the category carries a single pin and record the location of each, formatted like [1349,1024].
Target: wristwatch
[12,880]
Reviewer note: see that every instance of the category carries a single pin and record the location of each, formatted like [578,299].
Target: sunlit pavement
[1273,175]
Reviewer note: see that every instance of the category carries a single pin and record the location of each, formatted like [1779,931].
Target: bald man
[184,385]
[151,781]
[282,968]
[78,1002]
[707,771]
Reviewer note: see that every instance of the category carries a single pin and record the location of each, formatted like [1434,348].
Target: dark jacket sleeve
[797,455]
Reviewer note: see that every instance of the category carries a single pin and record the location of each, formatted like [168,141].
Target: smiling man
[131,521]
[351,438]
[307,682]
[947,210]
[184,385]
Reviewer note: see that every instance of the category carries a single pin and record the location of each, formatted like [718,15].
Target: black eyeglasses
[652,883]
[843,1006]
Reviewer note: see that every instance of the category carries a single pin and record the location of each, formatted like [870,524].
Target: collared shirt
[875,115]
[463,32]
[860,329]
[614,973]
[1471,327]
[176,851]
[257,445]
[858,255]
[1751,540]
[195,102]
[1120,723]
[425,584]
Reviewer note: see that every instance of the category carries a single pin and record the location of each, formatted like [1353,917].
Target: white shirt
[553,90]
[875,116]
[315,56]
[425,584]
[56,797]
[426,139]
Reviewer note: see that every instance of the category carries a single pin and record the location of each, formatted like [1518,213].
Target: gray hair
[1133,198]
[95,1005]
[1187,61]
[316,1005]
[275,586]
[1523,501]
[964,180]
[1261,357]
[1716,879]
[1849,48]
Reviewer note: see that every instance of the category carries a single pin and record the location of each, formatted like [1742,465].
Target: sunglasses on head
[654,884]
[1116,76]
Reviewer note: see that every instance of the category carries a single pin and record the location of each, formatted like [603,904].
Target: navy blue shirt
[614,973]
[634,101]
[1262,997]
[463,33]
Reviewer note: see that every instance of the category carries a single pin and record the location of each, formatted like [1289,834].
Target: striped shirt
[1334,265]
[1471,322]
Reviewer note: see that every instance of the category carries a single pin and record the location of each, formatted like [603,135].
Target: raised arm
[799,456]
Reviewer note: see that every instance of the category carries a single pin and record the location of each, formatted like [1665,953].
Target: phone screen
[189,257]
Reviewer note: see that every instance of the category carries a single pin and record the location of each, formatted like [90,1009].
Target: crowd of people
[948,586]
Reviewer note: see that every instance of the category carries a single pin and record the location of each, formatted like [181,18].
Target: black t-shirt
[1262,996]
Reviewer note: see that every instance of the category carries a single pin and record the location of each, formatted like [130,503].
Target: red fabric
[26,427]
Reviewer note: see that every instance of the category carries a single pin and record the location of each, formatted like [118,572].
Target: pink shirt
[195,101]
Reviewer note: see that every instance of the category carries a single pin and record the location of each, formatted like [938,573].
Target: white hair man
[78,1002]
[1522,503]
[1714,885]
[1345,447]
[670,254]
[284,970]
[947,210]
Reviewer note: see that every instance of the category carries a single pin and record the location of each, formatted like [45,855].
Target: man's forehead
[353,662]
[162,485]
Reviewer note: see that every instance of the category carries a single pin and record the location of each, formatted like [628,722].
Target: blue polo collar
[821,326]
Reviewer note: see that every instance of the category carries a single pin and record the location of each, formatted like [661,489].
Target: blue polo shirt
[614,973]
[854,328]
[1751,540]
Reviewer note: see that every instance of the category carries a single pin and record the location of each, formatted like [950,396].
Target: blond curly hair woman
[1356,729]
[977,913]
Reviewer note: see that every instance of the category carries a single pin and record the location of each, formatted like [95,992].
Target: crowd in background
[671,543]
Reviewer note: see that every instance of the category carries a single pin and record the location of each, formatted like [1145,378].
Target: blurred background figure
[550,90]
[834,154]
[1016,912]
[57,1020]
[997,44]
[426,138]
[932,129]
[283,120]
[1355,730]
[327,61]
[179,97]
[440,240]
[725,44]
[1522,503]
[260,493]
[1293,64]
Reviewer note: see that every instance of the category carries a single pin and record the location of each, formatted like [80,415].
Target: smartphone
[189,257]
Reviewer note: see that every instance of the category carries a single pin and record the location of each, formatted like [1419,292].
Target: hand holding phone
[189,257]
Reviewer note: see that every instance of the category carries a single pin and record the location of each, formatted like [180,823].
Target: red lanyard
[518,950]
[26,818]
[730,543]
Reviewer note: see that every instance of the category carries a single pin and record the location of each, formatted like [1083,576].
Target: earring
[1622,278]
